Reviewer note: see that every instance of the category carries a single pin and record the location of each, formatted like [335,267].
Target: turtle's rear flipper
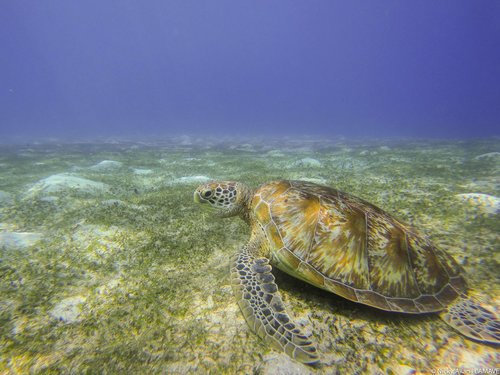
[261,304]
[472,320]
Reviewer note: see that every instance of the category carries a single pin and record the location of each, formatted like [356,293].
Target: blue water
[335,68]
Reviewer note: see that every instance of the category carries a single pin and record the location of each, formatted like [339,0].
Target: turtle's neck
[246,201]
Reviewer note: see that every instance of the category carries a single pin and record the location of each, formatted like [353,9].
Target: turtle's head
[227,198]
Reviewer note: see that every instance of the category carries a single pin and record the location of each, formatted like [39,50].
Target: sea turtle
[342,244]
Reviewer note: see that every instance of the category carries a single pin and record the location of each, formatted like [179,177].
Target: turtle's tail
[471,319]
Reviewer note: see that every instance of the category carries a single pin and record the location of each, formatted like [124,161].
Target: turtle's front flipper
[261,304]
[472,320]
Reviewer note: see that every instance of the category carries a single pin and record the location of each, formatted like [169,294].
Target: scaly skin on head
[227,198]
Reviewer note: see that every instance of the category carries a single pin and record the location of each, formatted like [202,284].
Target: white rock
[404,370]
[64,182]
[319,181]
[470,359]
[489,155]
[106,166]
[485,203]
[281,364]
[142,171]
[68,310]
[245,147]
[190,180]
[18,240]
[275,153]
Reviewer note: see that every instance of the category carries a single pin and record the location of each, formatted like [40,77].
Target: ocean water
[111,114]
[107,264]
[388,69]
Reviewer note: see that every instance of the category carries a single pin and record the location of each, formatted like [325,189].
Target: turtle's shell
[352,248]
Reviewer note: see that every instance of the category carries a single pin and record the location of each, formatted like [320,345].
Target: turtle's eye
[207,194]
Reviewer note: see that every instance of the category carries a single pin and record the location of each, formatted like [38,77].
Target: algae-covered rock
[487,204]
[488,155]
[107,166]
[68,310]
[18,240]
[190,180]
[140,172]
[60,183]
[275,154]
[320,181]
[281,364]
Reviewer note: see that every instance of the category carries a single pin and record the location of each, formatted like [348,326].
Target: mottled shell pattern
[352,248]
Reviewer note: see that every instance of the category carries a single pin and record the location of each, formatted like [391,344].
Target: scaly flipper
[261,304]
[472,320]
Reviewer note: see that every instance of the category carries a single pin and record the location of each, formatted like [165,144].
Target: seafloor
[107,266]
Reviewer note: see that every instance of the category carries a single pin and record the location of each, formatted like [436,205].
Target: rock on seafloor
[68,310]
[281,364]
[320,181]
[485,203]
[18,240]
[66,183]
[190,180]
[139,171]
[275,154]
[489,155]
[107,166]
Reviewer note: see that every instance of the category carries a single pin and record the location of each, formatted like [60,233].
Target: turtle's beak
[196,197]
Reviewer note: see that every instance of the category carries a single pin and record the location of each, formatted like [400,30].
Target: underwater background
[334,68]
[112,113]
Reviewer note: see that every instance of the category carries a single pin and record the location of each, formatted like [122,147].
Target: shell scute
[273,189]
[311,274]
[403,305]
[295,215]
[428,271]
[390,268]
[424,303]
[339,250]
[261,210]
[340,289]
[458,283]
[447,295]
[287,259]
[274,235]
[373,299]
